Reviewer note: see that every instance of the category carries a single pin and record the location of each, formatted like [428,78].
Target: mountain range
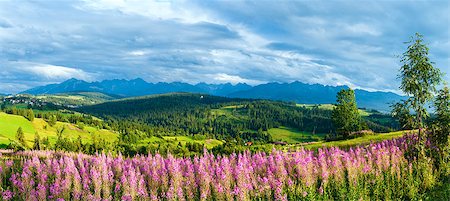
[296,91]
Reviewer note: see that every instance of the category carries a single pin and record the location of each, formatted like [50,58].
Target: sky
[333,42]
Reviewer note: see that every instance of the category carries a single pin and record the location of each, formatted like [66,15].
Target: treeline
[191,114]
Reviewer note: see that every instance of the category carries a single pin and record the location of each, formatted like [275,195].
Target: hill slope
[10,123]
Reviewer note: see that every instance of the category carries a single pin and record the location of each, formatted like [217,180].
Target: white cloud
[138,53]
[51,72]
[220,41]
[233,79]
[162,10]
[361,29]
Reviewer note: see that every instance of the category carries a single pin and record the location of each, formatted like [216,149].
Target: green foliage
[419,78]
[216,117]
[30,115]
[20,137]
[52,120]
[401,112]
[440,127]
[37,142]
[442,121]
[345,116]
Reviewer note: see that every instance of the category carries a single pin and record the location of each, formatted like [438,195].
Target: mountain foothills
[296,91]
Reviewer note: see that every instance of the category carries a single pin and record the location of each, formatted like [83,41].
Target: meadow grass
[293,136]
[209,143]
[10,123]
[355,141]
[363,113]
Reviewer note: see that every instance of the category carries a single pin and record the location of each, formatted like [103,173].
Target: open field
[356,141]
[10,123]
[209,143]
[293,136]
[362,112]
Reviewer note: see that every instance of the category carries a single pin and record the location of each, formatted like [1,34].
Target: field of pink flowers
[377,171]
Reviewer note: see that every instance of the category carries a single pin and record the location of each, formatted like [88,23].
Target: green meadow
[377,137]
[293,136]
[10,123]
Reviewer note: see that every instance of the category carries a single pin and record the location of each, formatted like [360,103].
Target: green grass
[10,123]
[293,136]
[76,98]
[363,113]
[356,141]
[320,106]
[209,143]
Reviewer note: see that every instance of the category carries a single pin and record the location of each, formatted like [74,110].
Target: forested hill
[219,117]
[296,91]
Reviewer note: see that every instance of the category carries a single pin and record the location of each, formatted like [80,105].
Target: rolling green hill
[10,123]
[355,141]
[293,136]
[77,98]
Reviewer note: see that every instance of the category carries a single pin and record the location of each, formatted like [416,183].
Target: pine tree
[345,116]
[30,115]
[37,141]
[52,120]
[20,136]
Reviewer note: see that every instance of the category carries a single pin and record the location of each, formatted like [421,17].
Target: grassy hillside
[293,136]
[10,123]
[362,112]
[209,143]
[355,141]
[77,98]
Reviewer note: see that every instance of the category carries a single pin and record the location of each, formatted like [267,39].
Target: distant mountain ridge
[296,91]
[135,87]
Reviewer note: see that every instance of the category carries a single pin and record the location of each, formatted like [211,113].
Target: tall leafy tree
[401,112]
[345,116]
[419,78]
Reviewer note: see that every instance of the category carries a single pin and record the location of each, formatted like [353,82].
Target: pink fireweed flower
[7,195]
